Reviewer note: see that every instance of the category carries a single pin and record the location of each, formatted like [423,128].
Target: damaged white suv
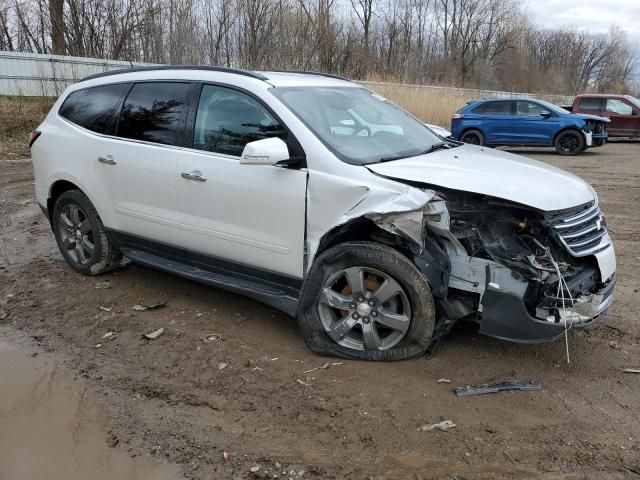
[324,200]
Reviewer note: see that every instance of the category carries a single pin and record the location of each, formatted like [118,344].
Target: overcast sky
[593,15]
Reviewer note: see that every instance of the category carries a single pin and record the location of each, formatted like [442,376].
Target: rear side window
[591,105]
[228,119]
[154,112]
[494,108]
[94,108]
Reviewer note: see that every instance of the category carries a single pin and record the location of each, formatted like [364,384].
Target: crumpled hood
[586,116]
[495,173]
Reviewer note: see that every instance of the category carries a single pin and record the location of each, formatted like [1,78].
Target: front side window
[153,112]
[529,109]
[619,106]
[94,108]
[228,119]
[357,125]
[494,108]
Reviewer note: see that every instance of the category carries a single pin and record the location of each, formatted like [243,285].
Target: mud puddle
[50,428]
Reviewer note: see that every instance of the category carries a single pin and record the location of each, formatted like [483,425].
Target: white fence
[34,74]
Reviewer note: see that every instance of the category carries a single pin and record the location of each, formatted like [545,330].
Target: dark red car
[623,110]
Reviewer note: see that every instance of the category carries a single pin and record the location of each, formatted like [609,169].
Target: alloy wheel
[76,234]
[364,309]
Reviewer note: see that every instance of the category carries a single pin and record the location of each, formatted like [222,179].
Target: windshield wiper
[432,148]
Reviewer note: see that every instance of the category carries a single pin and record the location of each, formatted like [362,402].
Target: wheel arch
[568,128]
[473,127]
[64,184]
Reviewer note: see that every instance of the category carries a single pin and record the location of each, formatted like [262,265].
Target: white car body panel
[495,173]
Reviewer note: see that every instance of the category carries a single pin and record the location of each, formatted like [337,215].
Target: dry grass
[430,104]
[18,117]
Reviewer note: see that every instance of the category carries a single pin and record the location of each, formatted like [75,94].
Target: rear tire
[391,316]
[473,137]
[81,235]
[569,142]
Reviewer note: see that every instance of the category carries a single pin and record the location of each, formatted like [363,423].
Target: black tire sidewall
[387,260]
[475,132]
[101,246]
[575,133]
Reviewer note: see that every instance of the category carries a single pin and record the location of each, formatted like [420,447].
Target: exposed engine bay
[509,248]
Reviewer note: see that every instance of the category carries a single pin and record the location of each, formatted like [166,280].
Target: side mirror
[268,151]
[545,114]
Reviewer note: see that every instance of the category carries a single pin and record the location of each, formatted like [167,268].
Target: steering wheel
[358,128]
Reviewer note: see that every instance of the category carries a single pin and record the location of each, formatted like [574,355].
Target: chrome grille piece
[582,230]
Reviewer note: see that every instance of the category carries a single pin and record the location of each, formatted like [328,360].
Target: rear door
[531,127]
[138,166]
[497,120]
[624,117]
[247,214]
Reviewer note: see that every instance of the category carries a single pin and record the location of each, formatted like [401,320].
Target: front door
[248,214]
[625,118]
[531,126]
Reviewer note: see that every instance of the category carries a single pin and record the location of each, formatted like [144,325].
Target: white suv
[324,200]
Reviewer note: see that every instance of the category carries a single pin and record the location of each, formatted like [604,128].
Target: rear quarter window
[590,104]
[94,108]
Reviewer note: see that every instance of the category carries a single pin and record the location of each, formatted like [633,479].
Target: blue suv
[527,122]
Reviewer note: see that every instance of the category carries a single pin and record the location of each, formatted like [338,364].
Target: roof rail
[319,74]
[236,71]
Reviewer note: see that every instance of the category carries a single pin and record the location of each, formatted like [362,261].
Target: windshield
[634,100]
[357,125]
[552,107]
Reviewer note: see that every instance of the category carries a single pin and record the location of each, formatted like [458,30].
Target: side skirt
[270,288]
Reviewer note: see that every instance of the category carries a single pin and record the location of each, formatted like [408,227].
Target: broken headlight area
[513,250]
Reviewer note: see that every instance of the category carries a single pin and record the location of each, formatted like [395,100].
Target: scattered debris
[631,370]
[212,337]
[103,308]
[3,314]
[223,365]
[255,469]
[303,383]
[442,426]
[321,367]
[485,388]
[141,307]
[155,334]
[108,335]
[102,285]
[614,344]
[97,345]
[611,230]
[443,380]
[225,456]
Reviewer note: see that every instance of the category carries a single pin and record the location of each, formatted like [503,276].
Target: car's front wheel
[366,301]
[81,236]
[570,142]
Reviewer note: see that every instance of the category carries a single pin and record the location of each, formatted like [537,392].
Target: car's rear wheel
[474,137]
[570,142]
[366,301]
[81,236]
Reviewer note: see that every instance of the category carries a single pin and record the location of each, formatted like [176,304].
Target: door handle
[107,160]
[195,175]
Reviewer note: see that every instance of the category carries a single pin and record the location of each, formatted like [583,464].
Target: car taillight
[457,116]
[34,136]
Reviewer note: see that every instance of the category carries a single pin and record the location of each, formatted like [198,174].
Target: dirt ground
[186,401]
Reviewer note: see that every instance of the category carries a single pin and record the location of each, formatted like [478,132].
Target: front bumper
[505,316]
[593,139]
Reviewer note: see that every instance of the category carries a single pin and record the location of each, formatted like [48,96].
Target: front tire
[81,235]
[570,142]
[366,301]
